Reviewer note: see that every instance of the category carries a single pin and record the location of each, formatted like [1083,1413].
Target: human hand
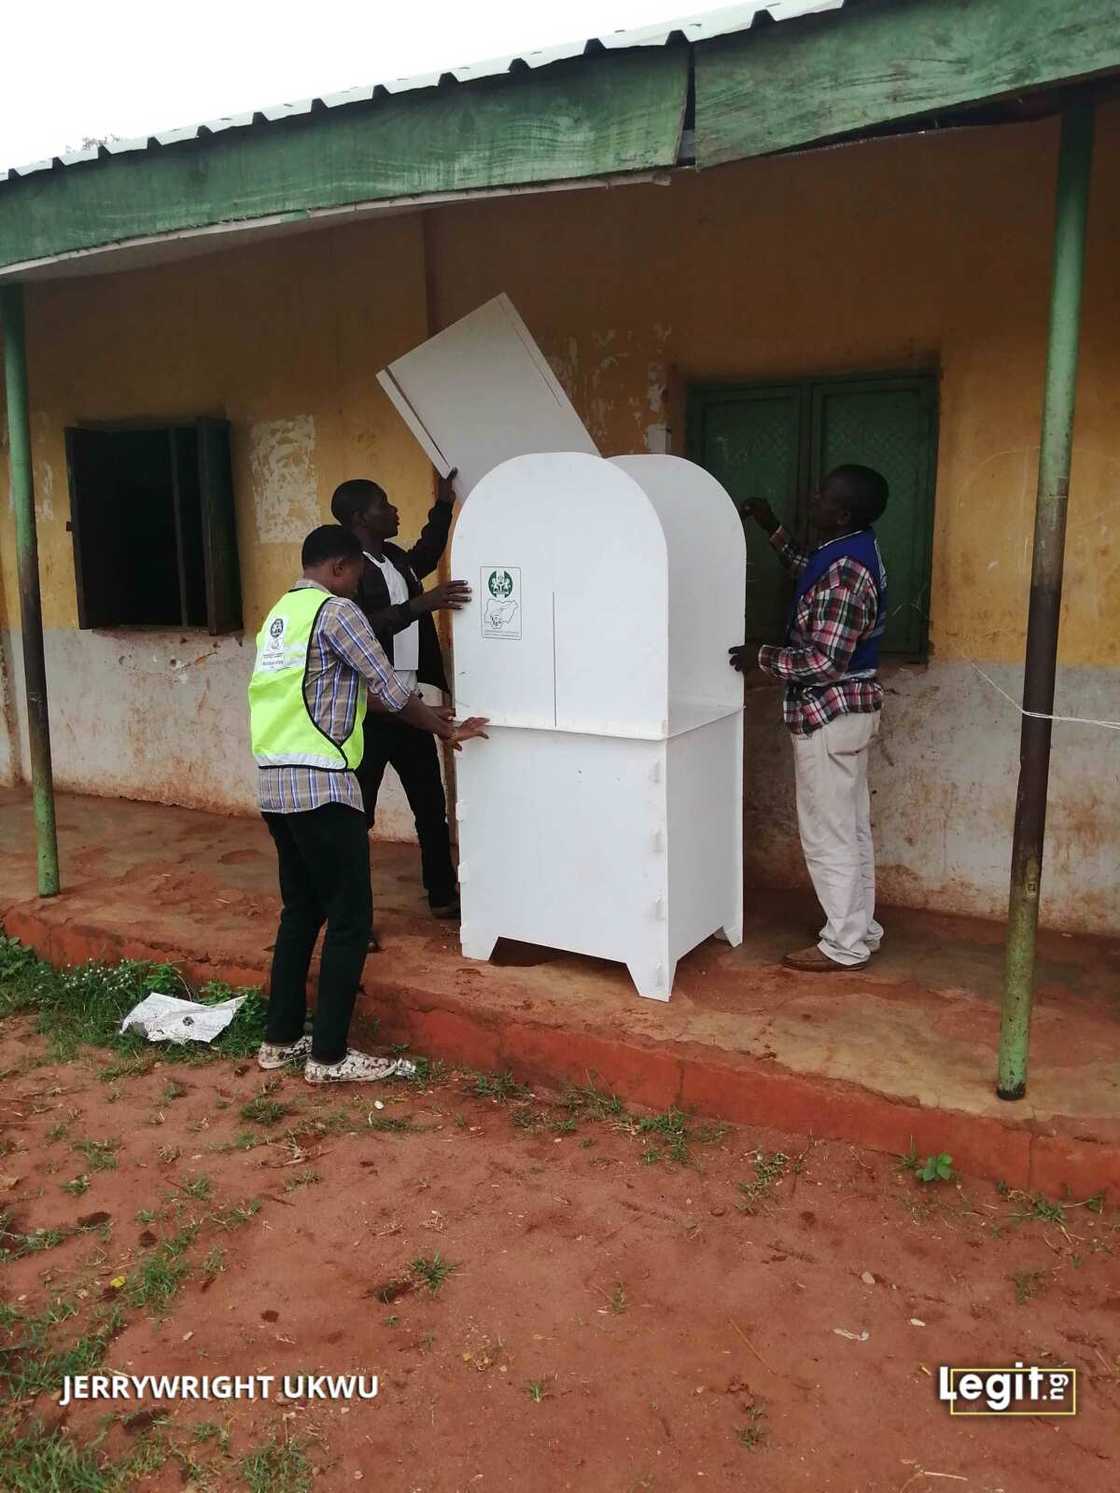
[445,488]
[737,657]
[472,729]
[762,513]
[449,597]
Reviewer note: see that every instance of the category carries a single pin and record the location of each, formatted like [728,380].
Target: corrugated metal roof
[693,28]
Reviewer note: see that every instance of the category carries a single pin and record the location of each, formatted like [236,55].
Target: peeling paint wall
[284,340]
[923,252]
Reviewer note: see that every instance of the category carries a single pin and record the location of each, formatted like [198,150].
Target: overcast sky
[122,67]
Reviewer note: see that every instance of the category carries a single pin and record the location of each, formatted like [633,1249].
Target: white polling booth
[604,814]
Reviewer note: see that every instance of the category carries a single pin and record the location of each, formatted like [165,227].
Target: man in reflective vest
[829,664]
[317,660]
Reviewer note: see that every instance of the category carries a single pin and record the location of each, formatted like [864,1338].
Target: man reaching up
[829,664]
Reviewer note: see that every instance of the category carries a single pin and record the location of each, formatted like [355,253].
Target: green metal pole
[30,603]
[1058,402]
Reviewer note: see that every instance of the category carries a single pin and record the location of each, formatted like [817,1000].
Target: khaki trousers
[834,820]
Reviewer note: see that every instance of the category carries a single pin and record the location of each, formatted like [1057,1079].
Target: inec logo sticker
[277,628]
[501,601]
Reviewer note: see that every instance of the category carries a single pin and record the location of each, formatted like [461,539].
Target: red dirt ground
[658,1318]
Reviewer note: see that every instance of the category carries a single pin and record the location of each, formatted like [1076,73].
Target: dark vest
[864,547]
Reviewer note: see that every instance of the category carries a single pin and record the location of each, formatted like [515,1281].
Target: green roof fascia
[878,61]
[588,117]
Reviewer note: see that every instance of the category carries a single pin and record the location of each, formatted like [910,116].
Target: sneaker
[358,1067]
[280,1054]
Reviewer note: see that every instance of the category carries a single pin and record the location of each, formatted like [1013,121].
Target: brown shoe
[813,962]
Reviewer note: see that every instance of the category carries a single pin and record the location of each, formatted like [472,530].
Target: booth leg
[477,944]
[731,933]
[655,982]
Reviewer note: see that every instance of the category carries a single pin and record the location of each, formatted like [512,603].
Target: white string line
[1038,715]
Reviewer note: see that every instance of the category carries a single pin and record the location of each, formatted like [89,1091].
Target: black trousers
[323,858]
[413,756]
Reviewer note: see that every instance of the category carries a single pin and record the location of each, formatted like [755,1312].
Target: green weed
[264,1111]
[100,1154]
[84,1005]
[432,1272]
[279,1467]
[499,1086]
[769,1169]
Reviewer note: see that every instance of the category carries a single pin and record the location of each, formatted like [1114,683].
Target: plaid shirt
[343,658]
[830,620]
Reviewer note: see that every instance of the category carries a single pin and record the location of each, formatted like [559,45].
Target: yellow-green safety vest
[283,732]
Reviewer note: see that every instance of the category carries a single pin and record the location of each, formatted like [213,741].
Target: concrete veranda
[902,1051]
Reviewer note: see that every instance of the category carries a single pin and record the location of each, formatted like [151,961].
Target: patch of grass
[84,1005]
[391,1124]
[769,1169]
[172,1090]
[198,1187]
[129,1065]
[156,1283]
[588,1102]
[101,1155]
[499,1086]
[61,1128]
[305,1178]
[1028,1284]
[753,1434]
[214,1263]
[278,1467]
[264,1111]
[430,1070]
[670,1129]
[30,1366]
[31,1244]
[76,1185]
[433,1271]
[617,1299]
[536,1390]
[42,1463]
[236,1214]
[210,1430]
[169,1154]
[145,1215]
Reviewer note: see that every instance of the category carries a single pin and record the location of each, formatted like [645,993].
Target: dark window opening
[151,512]
[777,442]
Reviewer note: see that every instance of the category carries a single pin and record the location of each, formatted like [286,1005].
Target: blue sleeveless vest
[863,547]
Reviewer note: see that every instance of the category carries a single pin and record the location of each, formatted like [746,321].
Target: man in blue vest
[317,663]
[829,664]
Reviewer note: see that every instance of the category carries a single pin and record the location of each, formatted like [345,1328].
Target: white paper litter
[167,1018]
[853,1337]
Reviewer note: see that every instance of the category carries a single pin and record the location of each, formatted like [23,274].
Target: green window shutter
[219,527]
[888,424]
[750,439]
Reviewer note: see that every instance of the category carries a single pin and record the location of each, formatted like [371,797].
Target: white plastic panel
[706,579]
[559,845]
[480,392]
[704,832]
[567,624]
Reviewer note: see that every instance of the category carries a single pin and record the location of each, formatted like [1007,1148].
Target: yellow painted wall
[920,252]
[267,337]
[926,252]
